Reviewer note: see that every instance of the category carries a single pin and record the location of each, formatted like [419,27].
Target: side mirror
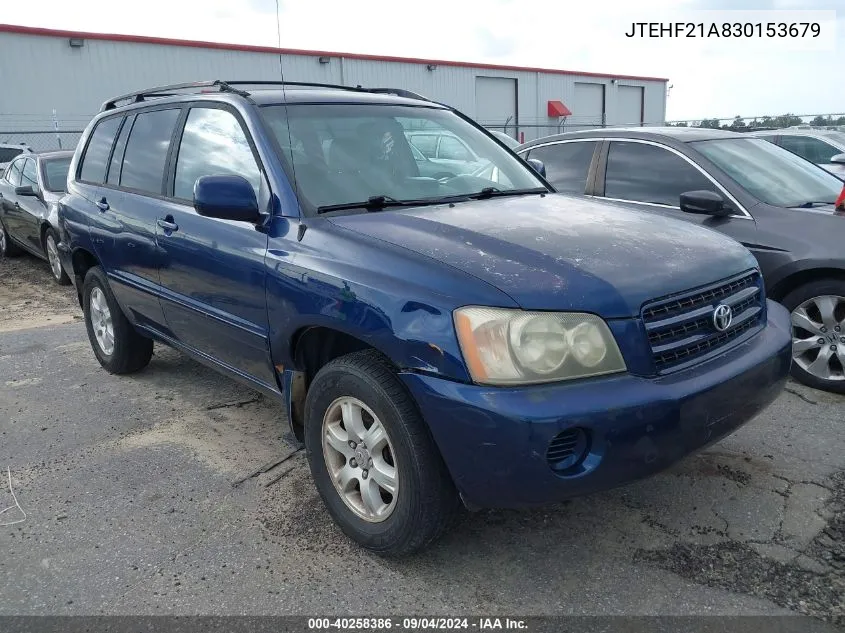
[26,190]
[839,159]
[704,203]
[227,198]
[538,166]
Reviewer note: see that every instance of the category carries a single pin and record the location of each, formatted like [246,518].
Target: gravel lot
[141,497]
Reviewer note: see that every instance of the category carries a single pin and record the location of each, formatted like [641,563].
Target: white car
[825,148]
[8,152]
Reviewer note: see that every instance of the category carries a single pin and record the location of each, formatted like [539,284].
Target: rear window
[97,154]
[146,151]
[8,153]
[55,174]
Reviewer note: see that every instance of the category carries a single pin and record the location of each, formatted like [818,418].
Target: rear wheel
[52,250]
[373,459]
[116,344]
[7,247]
[818,334]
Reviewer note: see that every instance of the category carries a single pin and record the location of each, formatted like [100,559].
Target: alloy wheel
[101,321]
[818,337]
[53,257]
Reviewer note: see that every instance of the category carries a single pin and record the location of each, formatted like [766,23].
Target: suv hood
[558,252]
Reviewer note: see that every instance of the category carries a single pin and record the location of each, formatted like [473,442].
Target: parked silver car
[825,148]
[8,152]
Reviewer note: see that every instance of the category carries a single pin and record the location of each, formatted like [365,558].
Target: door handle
[103,204]
[167,224]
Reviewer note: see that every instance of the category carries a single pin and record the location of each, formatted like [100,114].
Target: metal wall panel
[75,81]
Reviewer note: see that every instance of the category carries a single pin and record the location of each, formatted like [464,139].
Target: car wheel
[373,459]
[116,344]
[818,334]
[52,250]
[7,247]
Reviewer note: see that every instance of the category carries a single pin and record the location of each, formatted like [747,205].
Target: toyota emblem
[722,317]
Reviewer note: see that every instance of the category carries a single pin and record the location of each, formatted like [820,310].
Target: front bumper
[494,440]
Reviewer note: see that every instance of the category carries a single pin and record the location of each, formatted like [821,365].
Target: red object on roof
[557,109]
[164,41]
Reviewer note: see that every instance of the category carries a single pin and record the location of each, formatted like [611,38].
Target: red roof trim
[163,41]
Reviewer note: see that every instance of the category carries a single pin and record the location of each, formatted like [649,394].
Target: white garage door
[495,103]
[630,110]
[589,106]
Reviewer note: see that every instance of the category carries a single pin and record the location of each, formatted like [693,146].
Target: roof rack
[228,86]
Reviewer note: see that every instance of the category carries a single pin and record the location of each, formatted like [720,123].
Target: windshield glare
[347,153]
[770,173]
[55,174]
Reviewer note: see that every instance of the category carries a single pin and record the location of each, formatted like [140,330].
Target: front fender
[777,280]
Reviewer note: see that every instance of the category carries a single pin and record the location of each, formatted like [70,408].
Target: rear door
[31,208]
[651,177]
[10,202]
[213,271]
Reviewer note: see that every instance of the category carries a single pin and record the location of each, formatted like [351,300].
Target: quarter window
[97,154]
[213,143]
[146,151]
[14,176]
[646,173]
[29,177]
[810,148]
[567,164]
[113,177]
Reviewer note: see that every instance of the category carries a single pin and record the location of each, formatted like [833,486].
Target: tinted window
[213,142]
[426,143]
[14,175]
[452,149]
[646,173]
[566,164]
[113,177]
[146,151]
[771,173]
[97,154]
[810,148]
[8,153]
[29,176]
[55,174]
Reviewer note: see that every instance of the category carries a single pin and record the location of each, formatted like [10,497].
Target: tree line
[739,123]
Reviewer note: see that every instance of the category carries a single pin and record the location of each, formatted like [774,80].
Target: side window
[113,177]
[29,177]
[15,170]
[146,151]
[810,148]
[97,153]
[452,149]
[213,142]
[426,143]
[646,173]
[567,164]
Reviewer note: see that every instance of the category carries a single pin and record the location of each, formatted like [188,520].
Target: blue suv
[436,342]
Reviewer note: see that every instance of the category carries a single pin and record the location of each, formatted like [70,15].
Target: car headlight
[512,347]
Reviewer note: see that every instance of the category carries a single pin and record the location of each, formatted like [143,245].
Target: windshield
[55,174]
[770,173]
[8,153]
[342,154]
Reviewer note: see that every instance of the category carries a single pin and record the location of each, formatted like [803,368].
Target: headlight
[512,347]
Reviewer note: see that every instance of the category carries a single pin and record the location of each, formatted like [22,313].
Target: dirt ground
[163,491]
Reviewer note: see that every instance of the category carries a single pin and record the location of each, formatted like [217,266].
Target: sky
[708,77]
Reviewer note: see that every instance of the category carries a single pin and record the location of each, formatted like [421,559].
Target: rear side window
[646,173]
[14,176]
[8,153]
[426,143]
[29,177]
[810,148]
[213,142]
[567,164]
[97,154]
[146,151]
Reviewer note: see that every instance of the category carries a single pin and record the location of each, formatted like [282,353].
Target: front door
[213,271]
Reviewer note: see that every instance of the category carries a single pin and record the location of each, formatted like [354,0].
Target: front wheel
[116,344]
[818,334]
[373,459]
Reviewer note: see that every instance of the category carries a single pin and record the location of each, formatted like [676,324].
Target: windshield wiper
[810,204]
[493,192]
[373,203]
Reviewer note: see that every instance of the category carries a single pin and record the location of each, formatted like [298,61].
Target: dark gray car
[777,204]
[30,189]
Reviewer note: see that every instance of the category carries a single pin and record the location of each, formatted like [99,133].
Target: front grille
[567,449]
[681,328]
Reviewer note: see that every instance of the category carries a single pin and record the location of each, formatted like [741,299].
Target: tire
[811,299]
[425,501]
[129,352]
[7,247]
[51,241]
